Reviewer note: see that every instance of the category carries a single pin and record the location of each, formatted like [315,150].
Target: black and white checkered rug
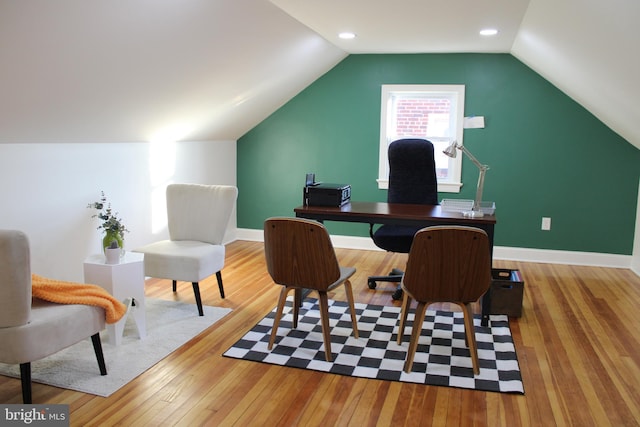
[442,358]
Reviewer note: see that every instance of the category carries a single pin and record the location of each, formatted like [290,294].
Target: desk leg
[486,298]
[486,308]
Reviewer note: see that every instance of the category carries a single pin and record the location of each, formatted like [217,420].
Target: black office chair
[412,180]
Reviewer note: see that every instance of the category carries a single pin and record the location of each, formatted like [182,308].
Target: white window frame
[453,183]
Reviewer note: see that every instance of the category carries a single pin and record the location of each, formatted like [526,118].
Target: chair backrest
[412,172]
[299,253]
[15,279]
[448,263]
[199,212]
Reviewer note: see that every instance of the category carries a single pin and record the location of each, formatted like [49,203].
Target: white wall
[46,187]
[635,261]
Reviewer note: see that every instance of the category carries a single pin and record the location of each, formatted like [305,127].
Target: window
[433,112]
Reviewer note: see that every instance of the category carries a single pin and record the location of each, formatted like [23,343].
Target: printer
[321,194]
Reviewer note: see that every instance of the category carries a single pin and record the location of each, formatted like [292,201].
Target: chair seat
[52,327]
[345,273]
[395,238]
[184,260]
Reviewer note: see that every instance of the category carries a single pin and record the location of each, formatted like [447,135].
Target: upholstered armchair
[30,328]
[198,216]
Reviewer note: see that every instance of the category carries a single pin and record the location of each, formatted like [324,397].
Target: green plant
[111,222]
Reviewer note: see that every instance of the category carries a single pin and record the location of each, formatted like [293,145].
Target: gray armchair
[30,328]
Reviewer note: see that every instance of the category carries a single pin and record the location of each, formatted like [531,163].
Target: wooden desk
[402,214]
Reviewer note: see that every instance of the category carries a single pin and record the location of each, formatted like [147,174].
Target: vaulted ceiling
[139,70]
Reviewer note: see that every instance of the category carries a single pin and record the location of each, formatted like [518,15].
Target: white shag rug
[170,325]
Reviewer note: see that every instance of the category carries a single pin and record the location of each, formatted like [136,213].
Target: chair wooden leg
[297,303]
[276,321]
[416,329]
[175,285]
[219,277]
[25,379]
[404,312]
[196,293]
[326,333]
[97,348]
[470,333]
[352,308]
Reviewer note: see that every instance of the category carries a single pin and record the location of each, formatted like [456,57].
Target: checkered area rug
[442,358]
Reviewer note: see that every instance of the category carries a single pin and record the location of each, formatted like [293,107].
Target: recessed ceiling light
[488,32]
[347,35]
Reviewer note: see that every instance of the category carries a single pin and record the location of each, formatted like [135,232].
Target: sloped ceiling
[589,49]
[139,70]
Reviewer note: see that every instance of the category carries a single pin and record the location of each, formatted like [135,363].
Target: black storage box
[326,194]
[507,290]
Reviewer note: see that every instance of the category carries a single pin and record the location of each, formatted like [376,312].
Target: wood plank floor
[578,344]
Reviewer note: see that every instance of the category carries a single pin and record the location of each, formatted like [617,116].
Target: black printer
[321,194]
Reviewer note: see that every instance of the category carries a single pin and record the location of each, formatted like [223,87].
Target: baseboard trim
[546,256]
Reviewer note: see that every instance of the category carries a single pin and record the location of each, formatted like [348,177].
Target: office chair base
[395,276]
[373,280]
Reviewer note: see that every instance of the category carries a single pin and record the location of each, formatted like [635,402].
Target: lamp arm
[478,200]
[483,170]
[472,158]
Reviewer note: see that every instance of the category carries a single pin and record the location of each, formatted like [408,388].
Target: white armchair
[33,329]
[198,216]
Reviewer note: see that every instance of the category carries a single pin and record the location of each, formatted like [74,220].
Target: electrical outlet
[546,223]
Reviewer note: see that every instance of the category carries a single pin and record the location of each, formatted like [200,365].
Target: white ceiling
[139,70]
[136,70]
[411,26]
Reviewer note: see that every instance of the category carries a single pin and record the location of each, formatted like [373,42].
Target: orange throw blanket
[77,293]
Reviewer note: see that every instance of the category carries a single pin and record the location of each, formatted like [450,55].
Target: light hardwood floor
[578,345]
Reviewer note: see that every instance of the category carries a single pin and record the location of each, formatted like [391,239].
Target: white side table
[125,281]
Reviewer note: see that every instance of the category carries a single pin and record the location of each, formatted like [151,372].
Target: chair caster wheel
[372,284]
[397,295]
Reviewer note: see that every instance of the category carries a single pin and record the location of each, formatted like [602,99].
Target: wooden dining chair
[300,256]
[446,264]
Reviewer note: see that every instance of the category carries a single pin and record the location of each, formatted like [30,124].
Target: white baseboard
[546,256]
[549,256]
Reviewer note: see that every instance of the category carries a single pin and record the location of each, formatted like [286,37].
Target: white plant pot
[112,255]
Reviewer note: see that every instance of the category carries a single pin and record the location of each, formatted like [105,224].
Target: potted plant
[111,225]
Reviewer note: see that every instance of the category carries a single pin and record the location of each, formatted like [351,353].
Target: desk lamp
[452,151]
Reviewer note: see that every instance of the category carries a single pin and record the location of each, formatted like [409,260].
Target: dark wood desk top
[381,213]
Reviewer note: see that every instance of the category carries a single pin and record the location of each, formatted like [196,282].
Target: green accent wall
[548,156]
